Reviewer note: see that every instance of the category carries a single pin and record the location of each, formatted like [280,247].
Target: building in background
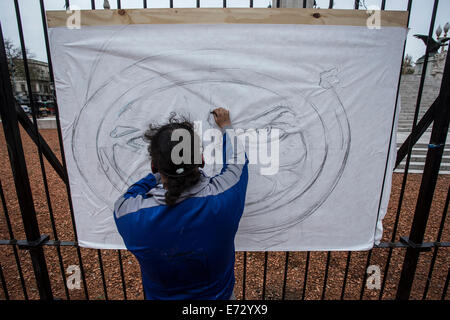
[40,81]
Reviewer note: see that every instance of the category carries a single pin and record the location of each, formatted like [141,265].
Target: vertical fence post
[20,173]
[428,184]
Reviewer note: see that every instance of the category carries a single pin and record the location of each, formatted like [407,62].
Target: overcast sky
[34,39]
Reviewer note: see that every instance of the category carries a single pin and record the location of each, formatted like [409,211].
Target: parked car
[43,111]
[51,107]
[48,105]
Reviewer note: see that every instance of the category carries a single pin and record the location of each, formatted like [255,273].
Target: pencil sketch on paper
[334,115]
[308,170]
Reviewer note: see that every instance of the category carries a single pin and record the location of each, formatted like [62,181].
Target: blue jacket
[186,251]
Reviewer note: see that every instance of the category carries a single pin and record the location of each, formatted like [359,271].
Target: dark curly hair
[160,150]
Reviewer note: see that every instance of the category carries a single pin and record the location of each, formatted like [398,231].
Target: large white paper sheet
[330,90]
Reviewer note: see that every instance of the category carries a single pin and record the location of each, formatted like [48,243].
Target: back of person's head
[178,176]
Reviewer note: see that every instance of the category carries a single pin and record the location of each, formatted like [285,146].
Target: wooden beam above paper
[226,15]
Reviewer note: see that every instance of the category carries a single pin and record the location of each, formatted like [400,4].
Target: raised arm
[234,170]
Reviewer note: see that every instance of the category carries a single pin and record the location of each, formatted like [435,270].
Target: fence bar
[63,273]
[124,286]
[21,179]
[428,184]
[286,266]
[11,235]
[405,150]
[143,289]
[435,252]
[244,272]
[325,278]
[33,106]
[266,255]
[409,7]
[402,244]
[369,256]
[61,146]
[344,284]
[306,275]
[385,273]
[39,146]
[46,242]
[56,243]
[397,217]
[392,128]
[5,288]
[102,272]
[419,99]
[29,127]
[444,292]
[415,134]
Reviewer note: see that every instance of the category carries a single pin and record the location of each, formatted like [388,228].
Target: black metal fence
[39,265]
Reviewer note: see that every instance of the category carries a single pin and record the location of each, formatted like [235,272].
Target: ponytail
[179,176]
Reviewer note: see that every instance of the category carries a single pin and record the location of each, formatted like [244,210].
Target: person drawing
[180,223]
